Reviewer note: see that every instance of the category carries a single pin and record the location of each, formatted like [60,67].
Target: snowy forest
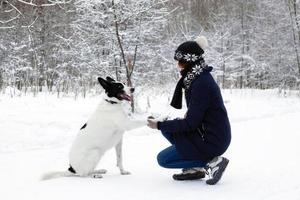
[53,51]
[62,46]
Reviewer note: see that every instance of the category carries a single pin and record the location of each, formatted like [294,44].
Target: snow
[36,134]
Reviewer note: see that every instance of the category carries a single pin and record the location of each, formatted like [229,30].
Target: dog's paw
[96,176]
[123,172]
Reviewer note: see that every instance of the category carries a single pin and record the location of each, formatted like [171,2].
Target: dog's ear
[103,83]
[109,79]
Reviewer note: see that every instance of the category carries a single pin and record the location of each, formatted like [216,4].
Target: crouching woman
[203,135]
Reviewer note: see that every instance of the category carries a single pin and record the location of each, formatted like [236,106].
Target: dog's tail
[56,174]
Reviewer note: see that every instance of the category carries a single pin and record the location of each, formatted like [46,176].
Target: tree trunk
[129,66]
[1,80]
[223,60]
[243,43]
[295,25]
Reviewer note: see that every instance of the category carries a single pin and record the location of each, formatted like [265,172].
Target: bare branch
[7,11]
[27,3]
[52,3]
[7,27]
[14,7]
[30,25]
[5,22]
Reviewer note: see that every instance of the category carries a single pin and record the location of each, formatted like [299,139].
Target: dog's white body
[104,130]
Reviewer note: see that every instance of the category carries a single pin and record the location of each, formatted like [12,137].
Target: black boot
[216,167]
[190,174]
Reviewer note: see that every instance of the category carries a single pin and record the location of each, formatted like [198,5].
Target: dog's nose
[132,90]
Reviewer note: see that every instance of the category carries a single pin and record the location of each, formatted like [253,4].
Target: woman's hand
[152,123]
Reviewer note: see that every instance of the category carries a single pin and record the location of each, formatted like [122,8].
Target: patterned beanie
[191,51]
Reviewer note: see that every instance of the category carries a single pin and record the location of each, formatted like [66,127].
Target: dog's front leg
[119,158]
[133,124]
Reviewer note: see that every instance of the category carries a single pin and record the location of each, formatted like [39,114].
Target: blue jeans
[170,158]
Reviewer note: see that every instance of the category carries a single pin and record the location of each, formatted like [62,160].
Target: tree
[122,34]
[295,26]
[30,27]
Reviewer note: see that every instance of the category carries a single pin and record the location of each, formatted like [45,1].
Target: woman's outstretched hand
[152,123]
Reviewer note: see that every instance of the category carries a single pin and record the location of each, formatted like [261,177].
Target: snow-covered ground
[36,134]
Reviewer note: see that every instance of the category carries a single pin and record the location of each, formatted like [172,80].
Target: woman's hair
[181,63]
[185,64]
[190,52]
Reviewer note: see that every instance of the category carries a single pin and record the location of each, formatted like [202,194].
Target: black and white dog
[103,130]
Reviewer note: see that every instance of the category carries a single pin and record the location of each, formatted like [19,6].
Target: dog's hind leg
[120,159]
[57,174]
[100,171]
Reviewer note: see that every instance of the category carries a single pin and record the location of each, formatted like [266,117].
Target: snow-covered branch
[50,3]
[7,27]
[14,7]
[32,23]
[10,20]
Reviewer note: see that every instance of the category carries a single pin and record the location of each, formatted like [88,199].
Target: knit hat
[191,51]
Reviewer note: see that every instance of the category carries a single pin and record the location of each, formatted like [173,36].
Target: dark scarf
[188,74]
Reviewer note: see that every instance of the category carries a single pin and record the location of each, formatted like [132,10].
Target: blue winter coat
[205,131]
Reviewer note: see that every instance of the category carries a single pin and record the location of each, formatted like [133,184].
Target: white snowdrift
[36,134]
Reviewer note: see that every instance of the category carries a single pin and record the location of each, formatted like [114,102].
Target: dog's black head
[115,89]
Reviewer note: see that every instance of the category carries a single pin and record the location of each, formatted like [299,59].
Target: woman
[203,135]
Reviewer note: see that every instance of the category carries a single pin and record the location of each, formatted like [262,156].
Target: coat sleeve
[199,102]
